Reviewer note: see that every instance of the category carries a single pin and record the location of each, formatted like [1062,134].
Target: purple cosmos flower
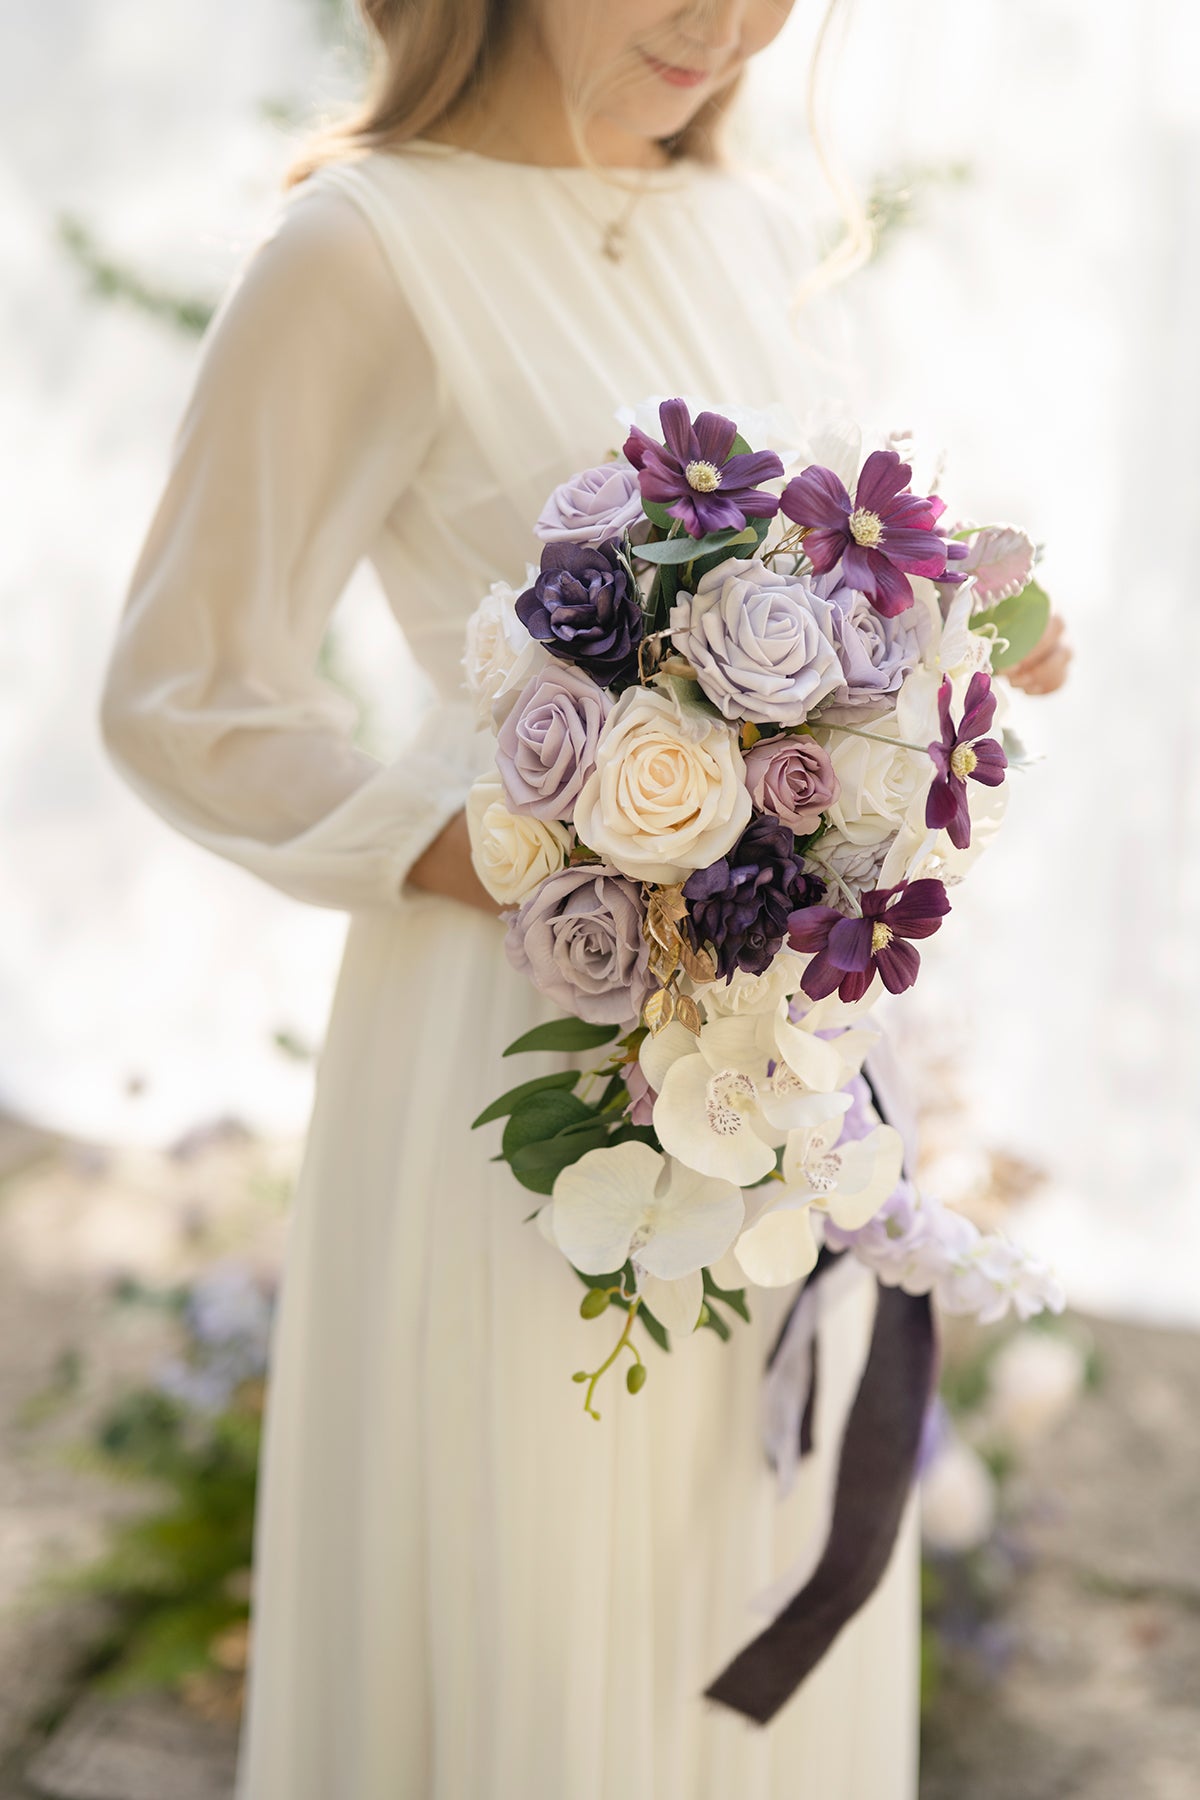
[881,536]
[741,903]
[847,952]
[963,754]
[694,476]
[585,609]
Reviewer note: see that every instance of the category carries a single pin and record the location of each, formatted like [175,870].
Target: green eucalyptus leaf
[1022,620]
[734,1298]
[740,447]
[538,1166]
[686,549]
[658,514]
[564,1034]
[499,1109]
[541,1116]
[711,1320]
[656,1331]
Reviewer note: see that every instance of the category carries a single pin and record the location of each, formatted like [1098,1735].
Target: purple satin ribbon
[876,1470]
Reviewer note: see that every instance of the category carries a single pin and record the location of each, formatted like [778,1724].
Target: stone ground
[1100,1699]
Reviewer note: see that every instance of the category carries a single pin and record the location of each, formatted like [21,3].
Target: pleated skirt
[465,1588]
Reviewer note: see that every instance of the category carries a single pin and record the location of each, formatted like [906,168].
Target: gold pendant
[613,244]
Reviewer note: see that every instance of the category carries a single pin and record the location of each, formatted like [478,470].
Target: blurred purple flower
[963,754]
[642,1096]
[847,952]
[881,536]
[693,475]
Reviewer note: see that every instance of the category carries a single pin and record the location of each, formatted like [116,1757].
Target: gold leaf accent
[664,908]
[658,1011]
[687,1013]
[664,959]
[698,963]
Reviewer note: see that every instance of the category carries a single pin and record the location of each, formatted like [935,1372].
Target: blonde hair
[429,56]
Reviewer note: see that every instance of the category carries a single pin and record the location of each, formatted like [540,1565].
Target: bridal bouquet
[747,739]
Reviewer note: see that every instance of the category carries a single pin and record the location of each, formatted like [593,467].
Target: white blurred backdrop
[1031,310]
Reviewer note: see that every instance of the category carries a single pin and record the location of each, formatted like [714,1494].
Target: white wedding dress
[465,1588]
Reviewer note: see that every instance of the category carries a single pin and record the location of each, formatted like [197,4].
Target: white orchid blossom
[849,1181]
[727,1099]
[626,1203]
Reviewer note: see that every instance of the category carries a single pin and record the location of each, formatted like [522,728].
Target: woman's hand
[446,868]
[1044,670]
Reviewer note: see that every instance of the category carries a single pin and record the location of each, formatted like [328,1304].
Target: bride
[464,1587]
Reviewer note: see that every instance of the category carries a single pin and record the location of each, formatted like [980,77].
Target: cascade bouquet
[748,736]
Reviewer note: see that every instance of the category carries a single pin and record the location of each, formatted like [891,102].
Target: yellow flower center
[866,528]
[703,477]
[962,761]
[881,936]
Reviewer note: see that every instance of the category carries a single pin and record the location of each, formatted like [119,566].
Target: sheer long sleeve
[314,403]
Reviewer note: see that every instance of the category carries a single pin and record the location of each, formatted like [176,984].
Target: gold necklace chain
[614,232]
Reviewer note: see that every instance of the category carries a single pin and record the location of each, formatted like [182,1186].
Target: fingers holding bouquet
[1044,670]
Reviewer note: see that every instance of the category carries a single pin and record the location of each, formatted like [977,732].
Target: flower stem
[622,1343]
[857,731]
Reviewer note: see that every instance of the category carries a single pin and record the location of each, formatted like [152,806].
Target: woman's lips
[675,76]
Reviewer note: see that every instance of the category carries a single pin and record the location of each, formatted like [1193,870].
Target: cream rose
[884,784]
[511,854]
[668,794]
[500,656]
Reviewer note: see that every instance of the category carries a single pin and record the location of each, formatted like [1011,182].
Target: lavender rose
[578,937]
[585,609]
[546,747]
[793,778]
[593,506]
[759,642]
[876,653]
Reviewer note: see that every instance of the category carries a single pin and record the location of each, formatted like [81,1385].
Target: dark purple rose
[740,905]
[585,609]
[693,475]
[847,952]
[881,536]
[579,939]
[961,755]
[793,778]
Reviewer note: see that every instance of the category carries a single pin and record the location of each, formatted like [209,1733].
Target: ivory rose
[511,853]
[500,656]
[668,794]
